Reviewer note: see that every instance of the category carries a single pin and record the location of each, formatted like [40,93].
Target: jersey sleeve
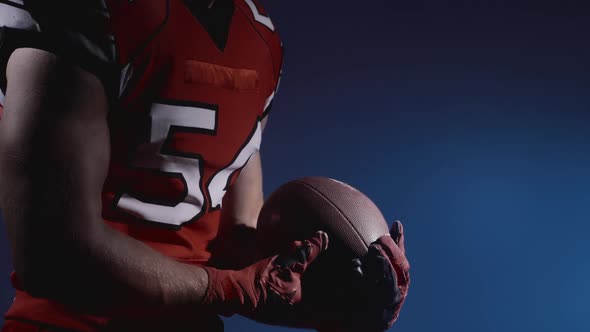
[267,30]
[76,30]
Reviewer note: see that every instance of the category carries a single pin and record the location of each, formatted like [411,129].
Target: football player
[129,150]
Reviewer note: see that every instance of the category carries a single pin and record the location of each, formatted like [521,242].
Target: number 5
[165,119]
[168,119]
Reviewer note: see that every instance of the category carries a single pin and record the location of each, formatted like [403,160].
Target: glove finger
[357,268]
[316,244]
[303,253]
[397,296]
[384,277]
[393,252]
[400,263]
[376,265]
[397,233]
[381,296]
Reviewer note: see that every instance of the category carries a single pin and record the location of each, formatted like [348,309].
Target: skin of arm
[239,217]
[54,157]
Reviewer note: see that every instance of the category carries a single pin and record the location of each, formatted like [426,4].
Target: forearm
[54,157]
[108,273]
[239,219]
[98,269]
[133,280]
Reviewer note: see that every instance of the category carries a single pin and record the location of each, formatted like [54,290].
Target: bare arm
[244,200]
[239,217]
[54,155]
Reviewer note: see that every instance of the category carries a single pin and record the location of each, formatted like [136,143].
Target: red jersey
[189,88]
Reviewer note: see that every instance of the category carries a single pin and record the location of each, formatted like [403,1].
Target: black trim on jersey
[145,44]
[134,75]
[161,174]
[268,109]
[131,219]
[227,185]
[134,55]
[166,150]
[203,204]
[187,103]
[12,39]
[181,129]
[13,4]
[216,20]
[261,37]
[104,12]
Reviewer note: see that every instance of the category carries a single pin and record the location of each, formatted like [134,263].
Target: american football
[301,207]
[161,198]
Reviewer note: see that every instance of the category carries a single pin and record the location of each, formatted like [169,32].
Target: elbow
[37,278]
[43,274]
[52,269]
[33,275]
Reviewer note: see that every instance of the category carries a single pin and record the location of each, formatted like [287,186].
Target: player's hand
[270,284]
[384,278]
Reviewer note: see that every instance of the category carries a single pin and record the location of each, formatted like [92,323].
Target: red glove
[376,287]
[391,247]
[274,281]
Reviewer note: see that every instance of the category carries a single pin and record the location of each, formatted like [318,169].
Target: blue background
[469,121]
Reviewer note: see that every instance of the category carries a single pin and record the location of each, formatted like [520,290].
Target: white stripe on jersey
[264,20]
[20,2]
[126,75]
[103,49]
[16,17]
[268,102]
[219,183]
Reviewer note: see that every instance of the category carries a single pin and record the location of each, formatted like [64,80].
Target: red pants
[215,325]
[18,326]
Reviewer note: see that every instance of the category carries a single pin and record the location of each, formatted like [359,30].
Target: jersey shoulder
[96,35]
[75,31]
[266,28]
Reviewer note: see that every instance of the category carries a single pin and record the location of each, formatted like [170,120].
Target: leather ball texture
[299,208]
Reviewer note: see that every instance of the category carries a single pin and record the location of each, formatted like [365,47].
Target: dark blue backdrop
[471,124]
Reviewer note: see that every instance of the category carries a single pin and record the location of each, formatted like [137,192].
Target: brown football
[299,208]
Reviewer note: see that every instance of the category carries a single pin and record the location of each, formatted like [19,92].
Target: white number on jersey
[165,118]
